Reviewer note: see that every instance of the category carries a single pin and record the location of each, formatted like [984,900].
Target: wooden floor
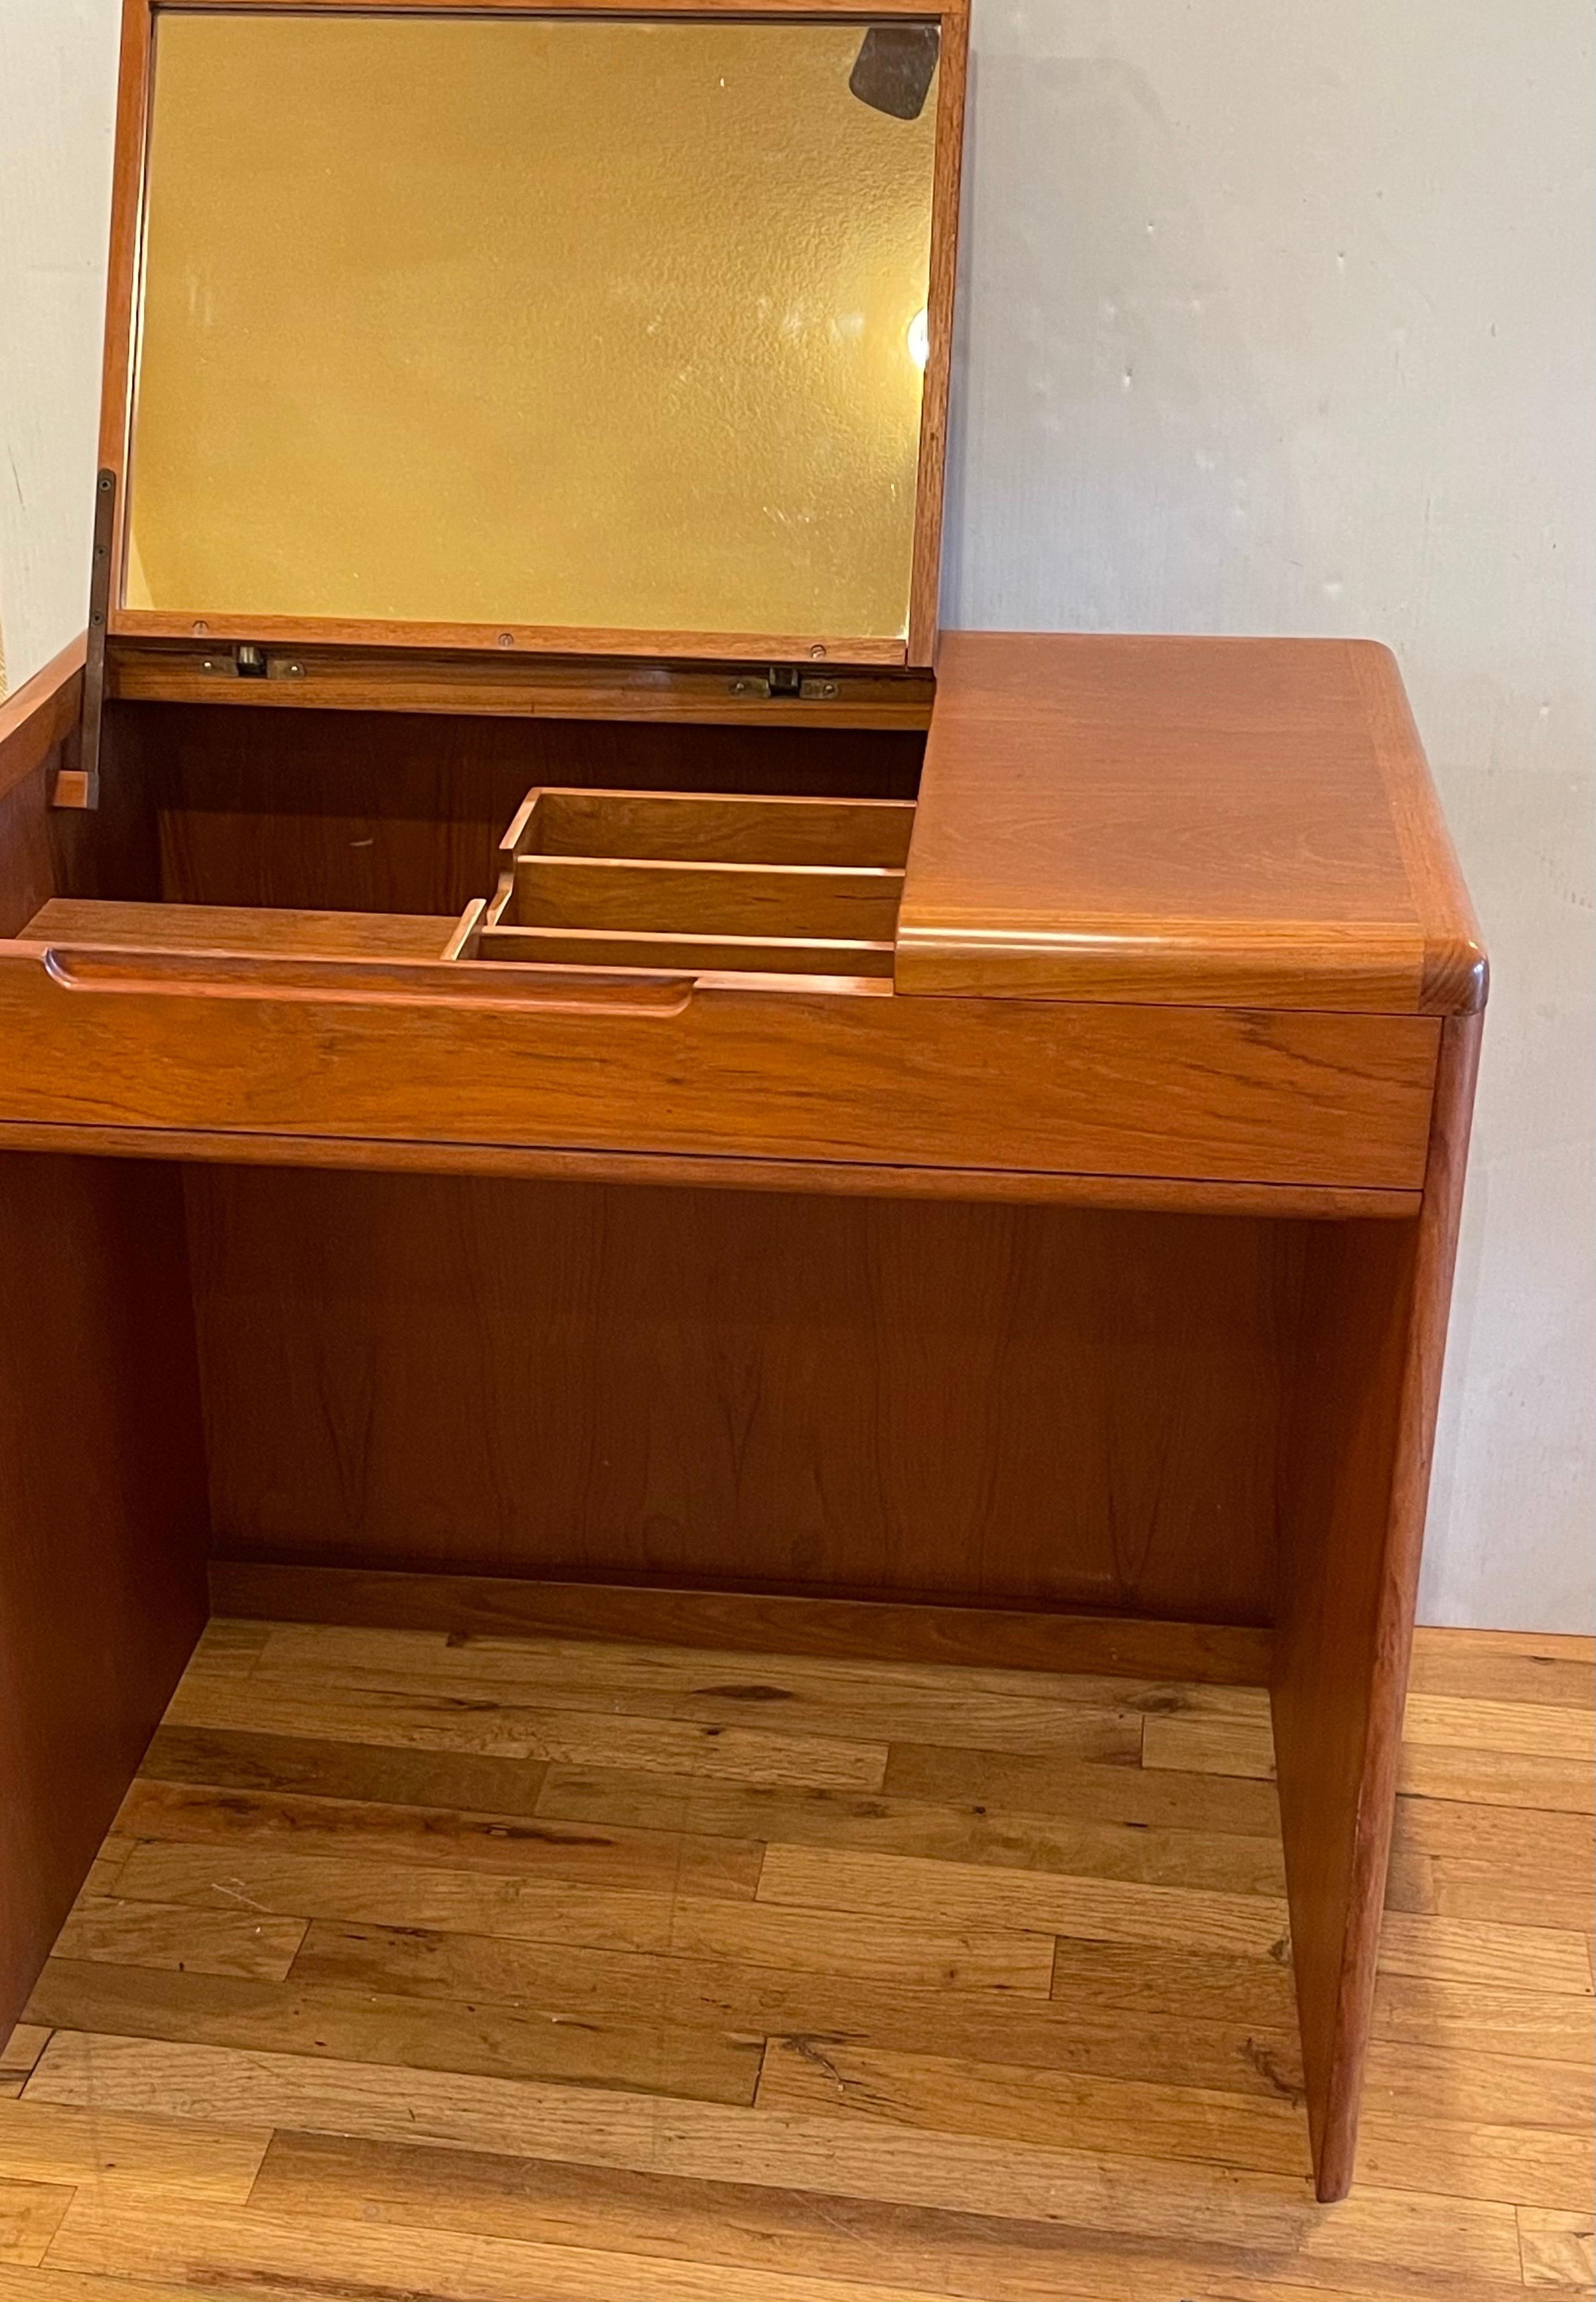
[504,1970]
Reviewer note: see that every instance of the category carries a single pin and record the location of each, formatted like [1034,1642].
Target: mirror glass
[607,324]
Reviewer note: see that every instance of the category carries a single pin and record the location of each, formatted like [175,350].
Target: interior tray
[651,879]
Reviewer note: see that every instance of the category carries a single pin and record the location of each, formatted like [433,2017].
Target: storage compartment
[766,886]
[260,931]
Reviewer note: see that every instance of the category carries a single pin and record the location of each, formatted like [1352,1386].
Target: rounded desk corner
[1378,654]
[1456,980]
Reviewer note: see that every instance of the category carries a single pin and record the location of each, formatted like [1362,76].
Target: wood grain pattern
[709,898]
[608,1384]
[103,1522]
[92,2149]
[21,2050]
[861,1630]
[1244,822]
[506,684]
[1356,1483]
[1085,1909]
[695,827]
[485,2084]
[1558,2249]
[112,1931]
[707,2063]
[238,928]
[1455,972]
[722,1069]
[988,1186]
[393,810]
[30,2214]
[1118,2197]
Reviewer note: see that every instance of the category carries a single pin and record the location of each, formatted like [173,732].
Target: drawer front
[485,1054]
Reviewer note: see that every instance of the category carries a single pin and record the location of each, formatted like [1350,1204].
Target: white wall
[1276,318]
[57,93]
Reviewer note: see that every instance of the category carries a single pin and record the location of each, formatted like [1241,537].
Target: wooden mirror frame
[110,616]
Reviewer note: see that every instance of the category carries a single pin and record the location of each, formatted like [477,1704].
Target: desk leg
[1356,1475]
[103,1517]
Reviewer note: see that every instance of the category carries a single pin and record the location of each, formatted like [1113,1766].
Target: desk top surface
[1190,821]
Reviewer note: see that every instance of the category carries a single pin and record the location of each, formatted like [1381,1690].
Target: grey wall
[1274,319]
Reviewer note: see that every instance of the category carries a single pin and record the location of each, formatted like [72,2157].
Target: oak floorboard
[225,1759]
[465,1969]
[461,1719]
[22,2049]
[736,2226]
[1171,1984]
[1210,1746]
[1093,1910]
[1008,1782]
[88,2145]
[1505,1667]
[1231,1861]
[774,2003]
[1485,1777]
[1118,2117]
[918,1698]
[30,2213]
[1477,1951]
[1510,1839]
[668,1860]
[851,2156]
[1523,2165]
[710,2064]
[117,1932]
[870,1948]
[1466,2018]
[1534,1730]
[46,2285]
[1557,2249]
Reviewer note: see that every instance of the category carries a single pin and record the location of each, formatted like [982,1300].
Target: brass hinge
[784,682]
[249,661]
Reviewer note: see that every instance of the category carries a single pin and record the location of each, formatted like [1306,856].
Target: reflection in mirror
[601,323]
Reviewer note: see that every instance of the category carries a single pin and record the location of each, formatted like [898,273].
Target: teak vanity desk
[551,1029]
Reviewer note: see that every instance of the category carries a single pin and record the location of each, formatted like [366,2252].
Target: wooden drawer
[157,1016]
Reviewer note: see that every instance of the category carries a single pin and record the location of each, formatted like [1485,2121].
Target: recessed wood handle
[358,983]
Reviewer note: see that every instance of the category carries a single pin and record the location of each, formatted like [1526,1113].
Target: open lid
[466,326]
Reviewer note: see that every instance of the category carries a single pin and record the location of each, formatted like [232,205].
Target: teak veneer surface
[1245,822]
[479,1052]
[792,1392]
[373,1989]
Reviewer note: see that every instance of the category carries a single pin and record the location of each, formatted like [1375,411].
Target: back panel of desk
[1027,1404]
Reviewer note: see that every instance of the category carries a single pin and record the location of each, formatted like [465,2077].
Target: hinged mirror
[474,328]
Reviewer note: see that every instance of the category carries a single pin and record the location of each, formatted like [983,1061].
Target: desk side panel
[103,1517]
[1356,1476]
